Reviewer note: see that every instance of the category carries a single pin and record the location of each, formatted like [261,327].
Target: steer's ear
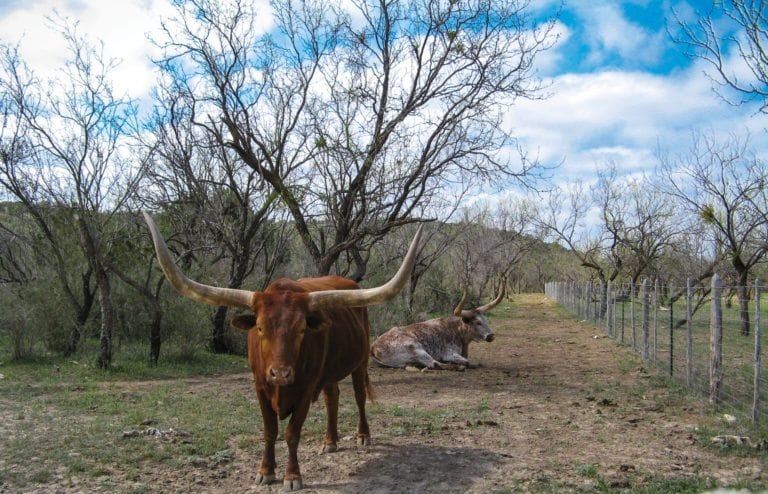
[316,323]
[244,322]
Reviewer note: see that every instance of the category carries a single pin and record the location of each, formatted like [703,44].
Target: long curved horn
[457,310]
[493,303]
[369,296]
[191,289]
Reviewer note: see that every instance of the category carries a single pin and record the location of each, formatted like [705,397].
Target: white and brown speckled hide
[440,343]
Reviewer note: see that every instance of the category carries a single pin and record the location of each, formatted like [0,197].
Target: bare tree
[641,219]
[19,182]
[208,188]
[358,119]
[566,216]
[73,162]
[732,37]
[722,184]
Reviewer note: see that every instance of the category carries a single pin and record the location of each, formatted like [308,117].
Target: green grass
[84,413]
[595,484]
[589,471]
[738,350]
[67,413]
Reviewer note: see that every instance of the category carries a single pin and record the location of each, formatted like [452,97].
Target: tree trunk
[83,312]
[744,304]
[154,334]
[107,319]
[220,342]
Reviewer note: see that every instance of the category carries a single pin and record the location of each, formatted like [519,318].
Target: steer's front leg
[292,480]
[455,358]
[267,470]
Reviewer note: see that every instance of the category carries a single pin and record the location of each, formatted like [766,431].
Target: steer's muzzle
[489,338]
[280,376]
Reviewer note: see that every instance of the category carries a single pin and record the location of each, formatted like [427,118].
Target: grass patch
[63,413]
[396,420]
[545,484]
[589,471]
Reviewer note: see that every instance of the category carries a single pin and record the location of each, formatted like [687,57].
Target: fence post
[758,363]
[587,301]
[603,308]
[614,312]
[646,322]
[598,308]
[655,318]
[671,334]
[716,343]
[689,343]
[622,317]
[608,308]
[632,315]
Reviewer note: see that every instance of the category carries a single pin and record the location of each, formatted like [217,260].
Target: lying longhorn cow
[304,336]
[441,343]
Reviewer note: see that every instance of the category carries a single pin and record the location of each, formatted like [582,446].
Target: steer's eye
[314,323]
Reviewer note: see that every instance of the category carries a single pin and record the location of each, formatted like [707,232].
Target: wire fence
[697,334]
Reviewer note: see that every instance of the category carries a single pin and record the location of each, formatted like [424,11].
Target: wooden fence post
[716,343]
[671,335]
[614,312]
[608,329]
[646,322]
[689,345]
[632,316]
[622,317]
[587,301]
[758,362]
[655,318]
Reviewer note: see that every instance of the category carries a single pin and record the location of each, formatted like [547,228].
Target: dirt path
[553,407]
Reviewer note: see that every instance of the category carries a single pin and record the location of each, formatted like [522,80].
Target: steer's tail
[369,388]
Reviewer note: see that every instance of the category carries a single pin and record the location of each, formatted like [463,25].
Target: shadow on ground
[418,468]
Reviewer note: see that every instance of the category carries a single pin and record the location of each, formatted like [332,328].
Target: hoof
[329,448]
[363,440]
[292,485]
[262,479]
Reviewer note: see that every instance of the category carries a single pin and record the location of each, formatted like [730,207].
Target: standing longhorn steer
[304,337]
[441,343]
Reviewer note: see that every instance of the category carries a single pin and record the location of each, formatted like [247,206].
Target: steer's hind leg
[362,386]
[423,358]
[331,395]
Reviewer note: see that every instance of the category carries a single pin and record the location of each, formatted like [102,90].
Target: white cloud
[624,117]
[609,33]
[550,61]
[122,26]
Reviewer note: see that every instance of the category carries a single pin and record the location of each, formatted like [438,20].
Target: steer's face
[277,330]
[479,328]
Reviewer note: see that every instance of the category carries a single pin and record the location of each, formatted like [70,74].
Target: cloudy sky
[620,88]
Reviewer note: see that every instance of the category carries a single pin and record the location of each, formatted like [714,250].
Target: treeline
[319,151]
[50,302]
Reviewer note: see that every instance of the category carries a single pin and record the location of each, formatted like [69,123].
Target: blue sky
[619,87]
[620,35]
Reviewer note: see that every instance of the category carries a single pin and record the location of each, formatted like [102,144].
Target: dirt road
[553,407]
